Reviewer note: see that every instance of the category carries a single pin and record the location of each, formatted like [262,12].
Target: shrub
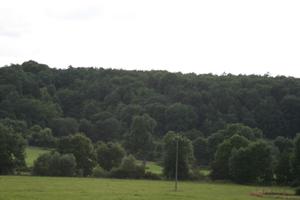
[196,175]
[152,176]
[128,169]
[67,165]
[99,172]
[55,164]
[109,155]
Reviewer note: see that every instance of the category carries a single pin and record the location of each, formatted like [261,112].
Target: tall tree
[251,164]
[109,155]
[185,155]
[140,140]
[201,151]
[82,148]
[12,147]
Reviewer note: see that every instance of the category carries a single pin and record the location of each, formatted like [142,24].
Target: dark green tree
[252,164]
[140,140]
[109,155]
[55,164]
[64,126]
[220,165]
[284,144]
[41,137]
[185,155]
[296,159]
[283,168]
[180,117]
[201,151]
[12,146]
[82,148]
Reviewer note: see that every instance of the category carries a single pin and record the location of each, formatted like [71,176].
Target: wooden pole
[176,167]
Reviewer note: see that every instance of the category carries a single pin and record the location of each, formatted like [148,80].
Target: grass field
[32,153]
[46,188]
[152,167]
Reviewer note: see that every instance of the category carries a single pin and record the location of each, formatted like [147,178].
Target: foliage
[138,109]
[82,148]
[99,172]
[55,164]
[180,117]
[45,96]
[283,168]
[140,141]
[185,155]
[296,159]
[200,146]
[109,155]
[251,164]
[128,169]
[64,126]
[12,146]
[220,165]
[283,144]
[41,137]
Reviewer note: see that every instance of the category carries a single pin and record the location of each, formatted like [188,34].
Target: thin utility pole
[176,167]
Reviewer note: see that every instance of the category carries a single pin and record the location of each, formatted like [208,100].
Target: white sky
[232,36]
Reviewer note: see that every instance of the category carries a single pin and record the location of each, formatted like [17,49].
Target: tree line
[221,121]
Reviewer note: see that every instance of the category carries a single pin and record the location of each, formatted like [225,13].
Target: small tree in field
[109,155]
[83,150]
[185,155]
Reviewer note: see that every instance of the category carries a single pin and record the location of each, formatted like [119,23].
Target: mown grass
[32,153]
[46,188]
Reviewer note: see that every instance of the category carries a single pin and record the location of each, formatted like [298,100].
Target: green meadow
[32,153]
[52,188]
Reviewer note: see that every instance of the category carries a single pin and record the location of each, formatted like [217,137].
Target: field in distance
[49,188]
[32,153]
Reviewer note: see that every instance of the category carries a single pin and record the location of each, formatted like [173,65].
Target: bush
[99,172]
[109,155]
[196,175]
[55,164]
[297,191]
[128,169]
[67,165]
[152,176]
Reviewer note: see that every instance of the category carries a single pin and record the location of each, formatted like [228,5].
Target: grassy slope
[45,188]
[152,167]
[32,153]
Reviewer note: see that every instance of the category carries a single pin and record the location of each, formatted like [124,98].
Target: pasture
[32,153]
[49,188]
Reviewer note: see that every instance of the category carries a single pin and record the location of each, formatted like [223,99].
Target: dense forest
[221,118]
[102,102]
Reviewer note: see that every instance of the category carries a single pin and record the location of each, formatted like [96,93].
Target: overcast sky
[212,36]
